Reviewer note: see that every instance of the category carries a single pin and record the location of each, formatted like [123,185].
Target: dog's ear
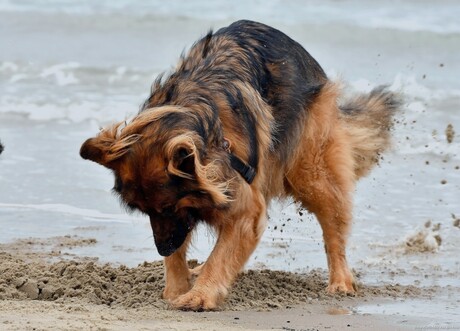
[100,148]
[92,150]
[108,146]
[183,161]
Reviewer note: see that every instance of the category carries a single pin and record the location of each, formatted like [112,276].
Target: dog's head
[162,168]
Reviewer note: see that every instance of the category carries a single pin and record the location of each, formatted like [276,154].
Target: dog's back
[274,66]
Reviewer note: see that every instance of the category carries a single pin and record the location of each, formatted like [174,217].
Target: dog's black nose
[165,248]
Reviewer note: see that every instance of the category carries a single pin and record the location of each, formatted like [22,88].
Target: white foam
[62,73]
[71,91]
[18,77]
[8,66]
[118,76]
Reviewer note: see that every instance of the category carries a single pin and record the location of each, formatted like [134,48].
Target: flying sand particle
[450,133]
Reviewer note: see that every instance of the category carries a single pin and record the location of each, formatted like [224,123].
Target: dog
[247,116]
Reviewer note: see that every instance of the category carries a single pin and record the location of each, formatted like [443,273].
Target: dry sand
[42,289]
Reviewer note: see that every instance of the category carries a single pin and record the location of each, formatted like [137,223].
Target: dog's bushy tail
[368,119]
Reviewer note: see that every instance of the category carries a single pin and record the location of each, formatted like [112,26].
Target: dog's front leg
[236,241]
[177,274]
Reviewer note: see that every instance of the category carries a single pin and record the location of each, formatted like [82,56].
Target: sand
[427,239]
[450,133]
[44,289]
[89,282]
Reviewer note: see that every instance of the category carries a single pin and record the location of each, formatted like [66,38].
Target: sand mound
[89,282]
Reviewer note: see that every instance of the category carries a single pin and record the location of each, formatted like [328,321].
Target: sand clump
[428,239]
[456,221]
[87,281]
[450,133]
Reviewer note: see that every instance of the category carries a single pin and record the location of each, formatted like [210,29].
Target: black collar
[245,170]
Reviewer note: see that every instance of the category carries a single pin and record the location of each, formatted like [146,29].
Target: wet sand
[42,288]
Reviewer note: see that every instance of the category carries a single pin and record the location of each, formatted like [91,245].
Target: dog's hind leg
[320,185]
[322,178]
[177,274]
[237,239]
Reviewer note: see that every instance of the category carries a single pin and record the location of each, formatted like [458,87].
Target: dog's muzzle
[170,232]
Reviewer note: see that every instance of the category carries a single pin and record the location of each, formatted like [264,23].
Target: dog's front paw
[196,300]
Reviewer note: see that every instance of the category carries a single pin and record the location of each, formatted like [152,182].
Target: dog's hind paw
[347,287]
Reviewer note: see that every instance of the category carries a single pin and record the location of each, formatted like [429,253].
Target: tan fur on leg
[177,273]
[322,179]
[236,241]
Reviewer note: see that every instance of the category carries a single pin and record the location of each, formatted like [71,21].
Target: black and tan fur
[247,93]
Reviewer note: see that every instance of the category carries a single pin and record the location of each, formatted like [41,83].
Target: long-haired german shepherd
[247,116]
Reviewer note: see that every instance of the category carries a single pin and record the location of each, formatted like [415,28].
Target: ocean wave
[438,17]
[72,91]
[70,73]
[410,87]
[77,93]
